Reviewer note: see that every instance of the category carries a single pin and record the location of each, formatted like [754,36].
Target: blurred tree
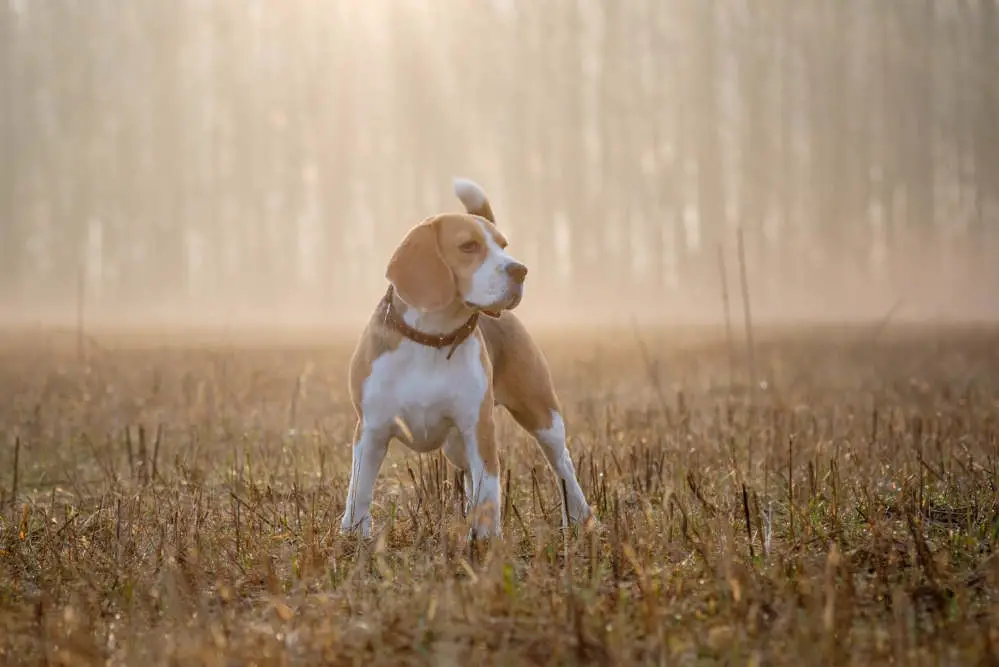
[755,56]
[12,236]
[242,154]
[706,123]
[985,63]
[921,130]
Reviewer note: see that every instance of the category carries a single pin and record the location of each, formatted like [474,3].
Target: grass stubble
[176,502]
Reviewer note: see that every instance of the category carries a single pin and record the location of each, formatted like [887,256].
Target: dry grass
[177,504]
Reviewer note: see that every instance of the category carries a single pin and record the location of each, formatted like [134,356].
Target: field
[175,501]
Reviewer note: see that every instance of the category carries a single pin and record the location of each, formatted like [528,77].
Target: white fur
[469,193]
[552,442]
[484,494]
[434,397]
[491,284]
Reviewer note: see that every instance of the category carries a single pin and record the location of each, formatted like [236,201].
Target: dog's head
[458,258]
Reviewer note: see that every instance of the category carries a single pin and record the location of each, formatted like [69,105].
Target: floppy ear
[418,271]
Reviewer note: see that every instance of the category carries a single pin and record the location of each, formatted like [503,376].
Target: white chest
[429,392]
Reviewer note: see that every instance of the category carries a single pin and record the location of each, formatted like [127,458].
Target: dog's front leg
[483,469]
[370,447]
[454,450]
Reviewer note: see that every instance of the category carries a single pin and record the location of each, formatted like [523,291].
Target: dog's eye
[470,246]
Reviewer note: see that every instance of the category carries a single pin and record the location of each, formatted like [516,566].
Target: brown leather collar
[453,339]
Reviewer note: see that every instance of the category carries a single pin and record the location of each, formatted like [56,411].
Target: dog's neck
[438,322]
[434,332]
[447,328]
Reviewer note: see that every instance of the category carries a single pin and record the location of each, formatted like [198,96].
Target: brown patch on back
[521,379]
[485,430]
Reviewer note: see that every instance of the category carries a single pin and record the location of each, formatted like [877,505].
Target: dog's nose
[517,271]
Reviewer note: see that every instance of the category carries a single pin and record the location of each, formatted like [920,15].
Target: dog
[428,370]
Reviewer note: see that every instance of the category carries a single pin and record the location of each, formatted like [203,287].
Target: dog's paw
[586,519]
[484,533]
[591,524]
[351,526]
[485,522]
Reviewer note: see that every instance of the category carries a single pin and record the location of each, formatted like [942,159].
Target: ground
[174,500]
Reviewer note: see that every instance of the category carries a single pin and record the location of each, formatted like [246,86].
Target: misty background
[247,162]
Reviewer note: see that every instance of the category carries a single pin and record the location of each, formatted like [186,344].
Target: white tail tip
[470,193]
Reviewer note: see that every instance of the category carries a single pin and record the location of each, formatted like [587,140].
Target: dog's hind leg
[548,429]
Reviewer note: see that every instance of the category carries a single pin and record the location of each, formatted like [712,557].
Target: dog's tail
[474,198]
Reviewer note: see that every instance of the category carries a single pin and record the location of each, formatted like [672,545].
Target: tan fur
[521,378]
[455,230]
[484,211]
[429,268]
[485,433]
[375,340]
[419,272]
[522,381]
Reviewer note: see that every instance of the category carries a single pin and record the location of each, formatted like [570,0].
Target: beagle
[428,370]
